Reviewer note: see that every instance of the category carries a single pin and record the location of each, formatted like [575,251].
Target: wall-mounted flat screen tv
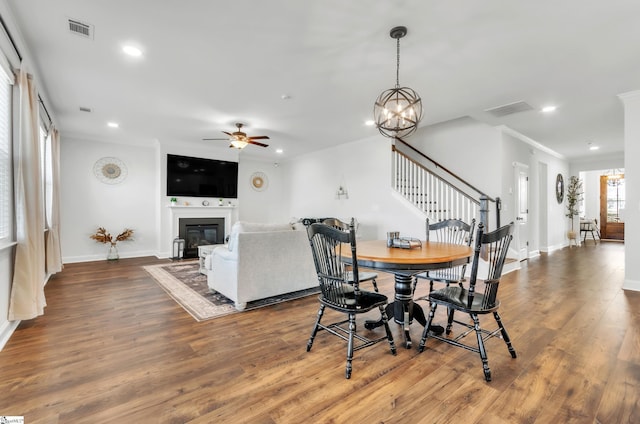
[198,177]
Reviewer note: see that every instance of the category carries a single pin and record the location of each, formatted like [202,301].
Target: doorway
[521,233]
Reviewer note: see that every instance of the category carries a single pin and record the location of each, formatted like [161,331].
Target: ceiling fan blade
[229,134]
[259,137]
[257,143]
[209,139]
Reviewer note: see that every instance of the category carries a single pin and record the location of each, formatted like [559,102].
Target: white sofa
[260,261]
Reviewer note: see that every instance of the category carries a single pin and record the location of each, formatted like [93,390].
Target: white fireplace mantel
[177,212]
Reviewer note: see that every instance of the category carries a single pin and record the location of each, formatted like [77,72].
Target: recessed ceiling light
[132,51]
[594,148]
[113,124]
[369,123]
[279,150]
[548,109]
[285,97]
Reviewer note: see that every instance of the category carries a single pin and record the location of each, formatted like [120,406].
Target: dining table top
[430,255]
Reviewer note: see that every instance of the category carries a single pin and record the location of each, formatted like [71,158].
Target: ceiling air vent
[80,28]
[509,109]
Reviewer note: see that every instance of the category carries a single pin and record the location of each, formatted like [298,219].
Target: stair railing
[434,194]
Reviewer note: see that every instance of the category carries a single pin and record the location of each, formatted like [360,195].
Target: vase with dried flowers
[102,236]
[574,195]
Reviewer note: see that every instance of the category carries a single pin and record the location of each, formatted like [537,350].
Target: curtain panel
[53,251]
[27,290]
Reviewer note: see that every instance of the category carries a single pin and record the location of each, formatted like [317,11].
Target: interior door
[612,204]
[521,231]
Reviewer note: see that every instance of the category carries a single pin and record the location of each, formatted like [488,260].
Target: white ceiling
[207,64]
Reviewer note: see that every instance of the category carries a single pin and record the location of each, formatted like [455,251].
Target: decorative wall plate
[259,181]
[110,170]
[559,188]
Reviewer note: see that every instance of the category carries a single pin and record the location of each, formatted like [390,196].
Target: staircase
[431,194]
[427,186]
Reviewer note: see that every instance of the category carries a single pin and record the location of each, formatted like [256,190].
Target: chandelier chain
[397,63]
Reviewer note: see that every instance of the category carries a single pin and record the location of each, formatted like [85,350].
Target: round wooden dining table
[404,264]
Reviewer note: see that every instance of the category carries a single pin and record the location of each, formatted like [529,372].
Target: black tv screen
[198,177]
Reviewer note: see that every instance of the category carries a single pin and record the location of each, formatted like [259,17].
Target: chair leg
[449,320]
[425,332]
[315,327]
[385,322]
[375,285]
[481,350]
[505,335]
[352,330]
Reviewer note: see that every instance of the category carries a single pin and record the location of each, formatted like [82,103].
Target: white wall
[268,205]
[87,203]
[632,182]
[591,196]
[363,168]
[466,147]
[6,265]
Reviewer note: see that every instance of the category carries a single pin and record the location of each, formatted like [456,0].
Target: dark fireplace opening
[200,232]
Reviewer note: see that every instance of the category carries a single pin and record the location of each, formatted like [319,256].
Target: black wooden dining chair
[493,246]
[337,292]
[453,231]
[363,275]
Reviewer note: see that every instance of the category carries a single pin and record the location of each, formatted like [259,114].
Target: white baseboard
[101,257]
[6,331]
[631,285]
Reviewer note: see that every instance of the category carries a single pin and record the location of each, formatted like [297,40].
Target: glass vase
[112,255]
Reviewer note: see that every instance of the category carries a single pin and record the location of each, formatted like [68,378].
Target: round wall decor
[110,170]
[259,181]
[559,188]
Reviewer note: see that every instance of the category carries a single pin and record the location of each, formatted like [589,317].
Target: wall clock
[259,181]
[110,170]
[559,188]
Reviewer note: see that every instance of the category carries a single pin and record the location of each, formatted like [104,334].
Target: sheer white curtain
[53,254]
[27,291]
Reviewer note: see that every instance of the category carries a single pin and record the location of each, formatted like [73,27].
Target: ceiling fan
[239,139]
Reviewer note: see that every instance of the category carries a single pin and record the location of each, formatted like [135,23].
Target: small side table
[203,252]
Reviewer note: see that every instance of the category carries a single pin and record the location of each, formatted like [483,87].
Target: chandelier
[398,110]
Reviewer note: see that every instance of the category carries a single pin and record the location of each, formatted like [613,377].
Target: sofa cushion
[257,227]
[253,227]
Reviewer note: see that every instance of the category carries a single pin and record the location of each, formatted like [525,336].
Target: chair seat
[457,298]
[347,302]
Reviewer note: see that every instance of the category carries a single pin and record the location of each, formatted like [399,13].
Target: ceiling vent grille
[81,29]
[509,109]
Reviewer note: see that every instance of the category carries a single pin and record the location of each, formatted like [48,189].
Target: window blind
[6,180]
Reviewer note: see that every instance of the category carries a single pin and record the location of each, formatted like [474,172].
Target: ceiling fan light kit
[398,111]
[239,140]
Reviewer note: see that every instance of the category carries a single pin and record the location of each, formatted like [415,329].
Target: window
[6,180]
[615,198]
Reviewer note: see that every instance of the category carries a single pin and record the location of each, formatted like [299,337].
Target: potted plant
[574,195]
[174,201]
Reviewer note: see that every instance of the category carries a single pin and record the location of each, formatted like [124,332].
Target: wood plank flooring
[113,347]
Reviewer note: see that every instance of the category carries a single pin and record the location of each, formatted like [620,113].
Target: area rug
[188,287]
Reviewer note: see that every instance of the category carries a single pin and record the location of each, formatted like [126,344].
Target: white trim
[530,141]
[631,284]
[7,331]
[6,68]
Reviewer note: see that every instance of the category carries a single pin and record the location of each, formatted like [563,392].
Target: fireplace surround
[200,232]
[178,212]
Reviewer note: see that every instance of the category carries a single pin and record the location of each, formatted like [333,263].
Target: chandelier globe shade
[397,111]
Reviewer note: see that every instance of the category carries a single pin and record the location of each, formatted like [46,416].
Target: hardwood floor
[114,347]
